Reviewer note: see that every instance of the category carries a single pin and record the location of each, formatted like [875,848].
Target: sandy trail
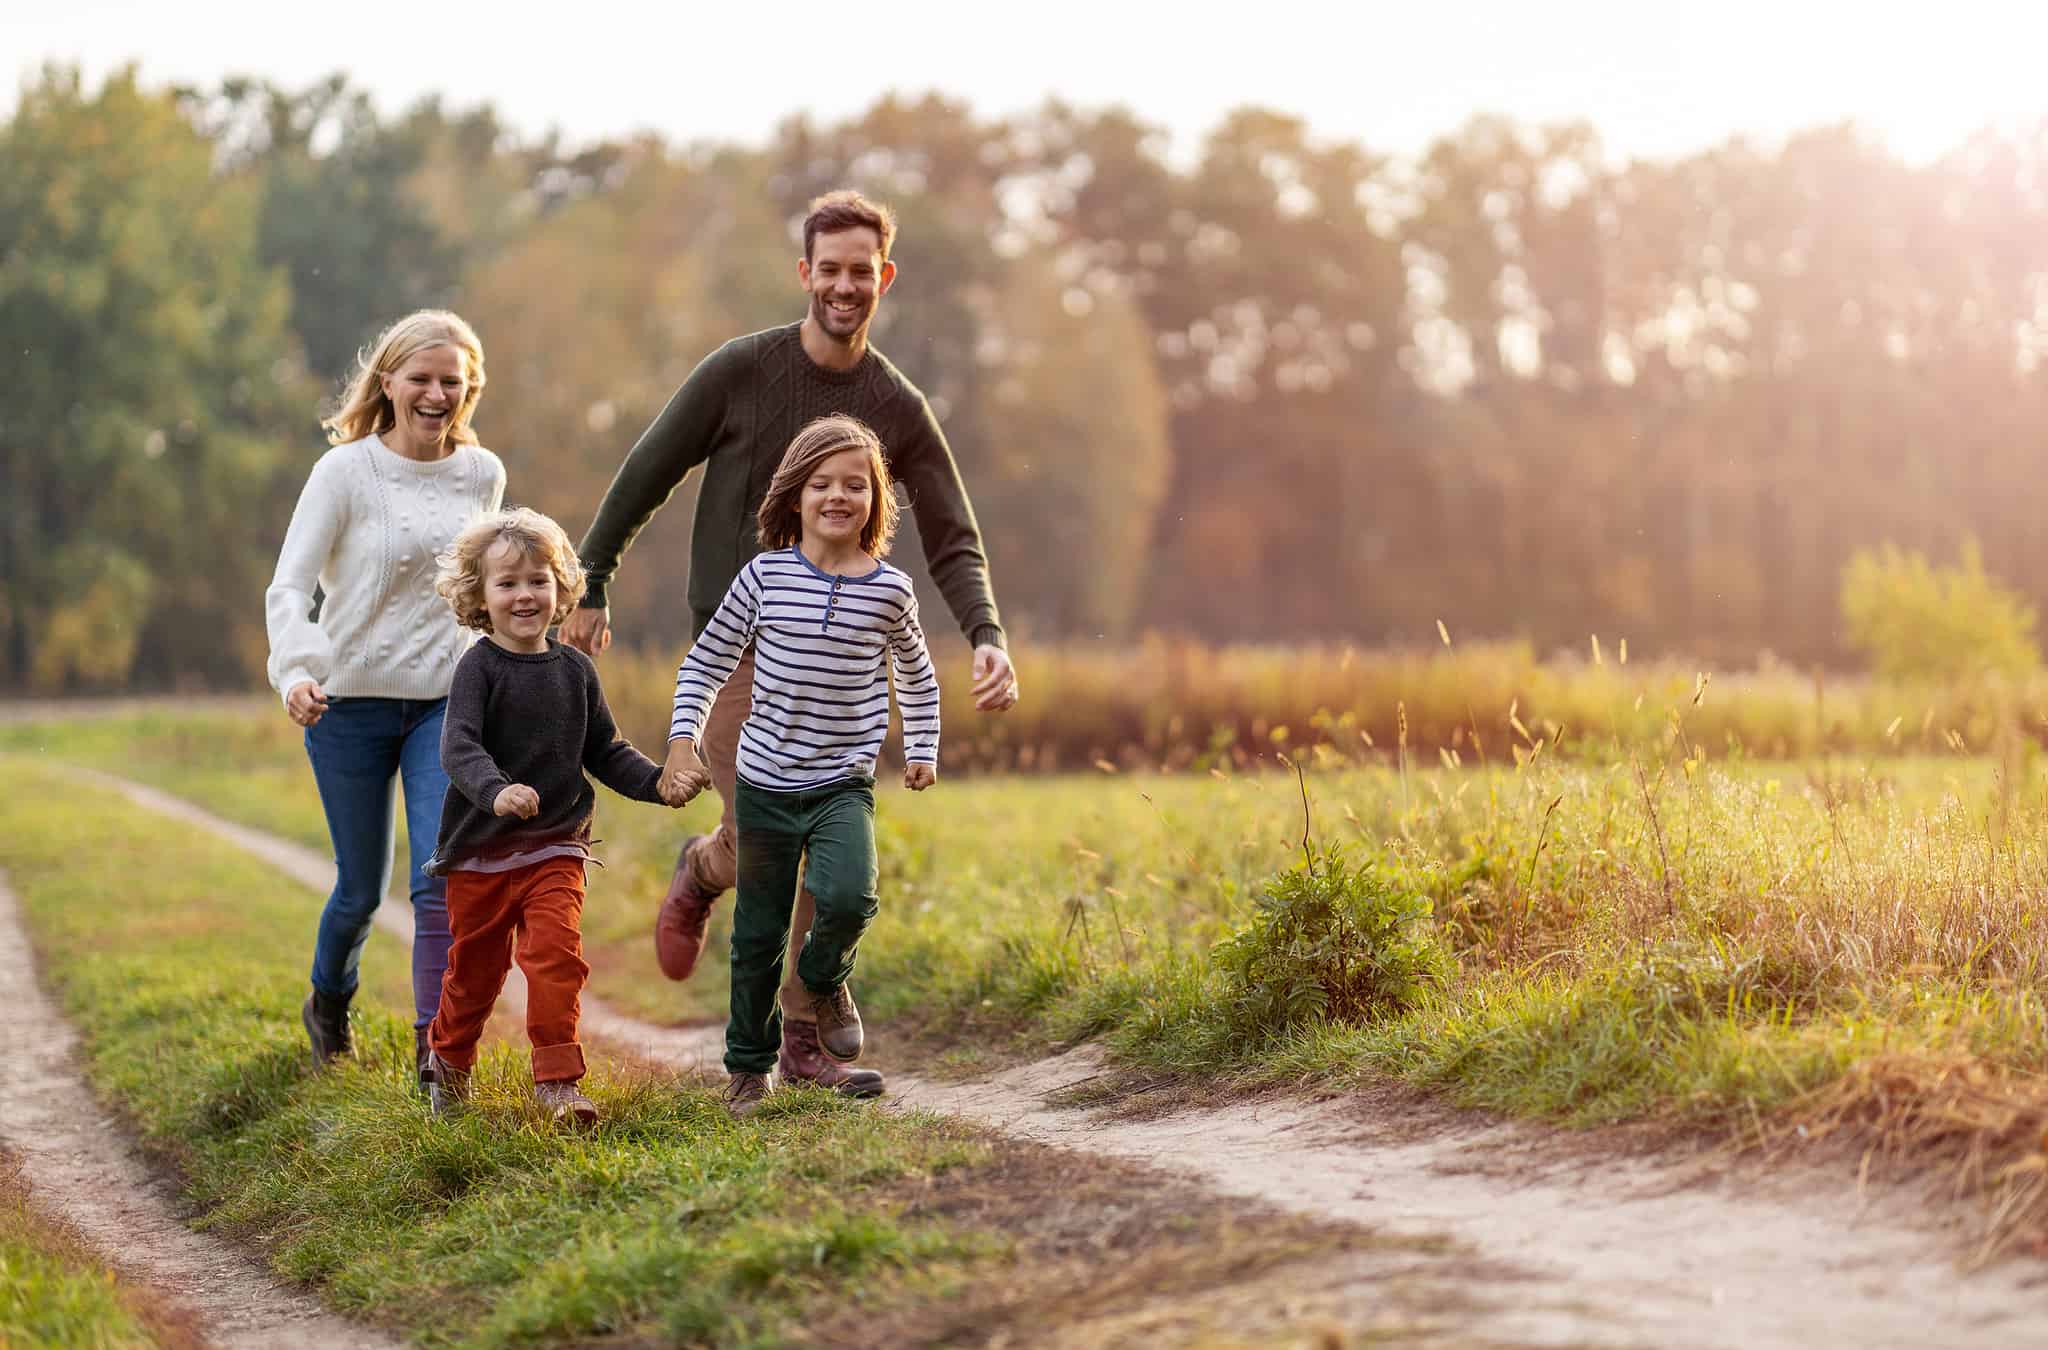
[79,1164]
[1622,1251]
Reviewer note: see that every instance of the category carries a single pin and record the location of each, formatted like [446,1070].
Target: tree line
[1292,390]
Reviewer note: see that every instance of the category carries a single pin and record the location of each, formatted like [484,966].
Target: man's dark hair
[848,210]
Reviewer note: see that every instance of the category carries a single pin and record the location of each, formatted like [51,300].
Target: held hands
[683,776]
[306,702]
[517,800]
[918,777]
[995,680]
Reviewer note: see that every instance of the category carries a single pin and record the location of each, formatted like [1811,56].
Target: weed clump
[1330,940]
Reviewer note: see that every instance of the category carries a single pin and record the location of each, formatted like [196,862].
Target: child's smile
[837,499]
[520,597]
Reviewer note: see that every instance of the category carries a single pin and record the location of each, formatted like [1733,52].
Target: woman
[366,670]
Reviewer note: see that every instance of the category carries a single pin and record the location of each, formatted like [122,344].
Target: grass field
[822,1220]
[1846,945]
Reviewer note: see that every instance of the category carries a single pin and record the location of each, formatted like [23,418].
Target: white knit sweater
[367,528]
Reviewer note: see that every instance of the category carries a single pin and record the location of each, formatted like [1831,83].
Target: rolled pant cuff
[558,1063]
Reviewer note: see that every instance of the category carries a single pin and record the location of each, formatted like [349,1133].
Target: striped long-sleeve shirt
[821,694]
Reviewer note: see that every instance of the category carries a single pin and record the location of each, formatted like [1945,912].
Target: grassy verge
[180,962]
[1837,948]
[56,1291]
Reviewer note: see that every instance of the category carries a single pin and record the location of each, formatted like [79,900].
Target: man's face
[846,278]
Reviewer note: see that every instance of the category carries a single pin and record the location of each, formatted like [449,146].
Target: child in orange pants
[525,719]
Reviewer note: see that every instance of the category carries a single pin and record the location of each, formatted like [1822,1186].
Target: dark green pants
[826,835]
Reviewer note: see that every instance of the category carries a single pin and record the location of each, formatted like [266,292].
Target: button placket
[831,602]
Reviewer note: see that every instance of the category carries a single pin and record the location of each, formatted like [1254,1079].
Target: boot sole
[838,1058]
[861,1094]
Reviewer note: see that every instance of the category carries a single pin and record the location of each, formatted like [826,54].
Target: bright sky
[1656,77]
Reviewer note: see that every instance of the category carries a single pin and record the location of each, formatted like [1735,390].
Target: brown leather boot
[803,1061]
[679,924]
[565,1104]
[839,1028]
[745,1093]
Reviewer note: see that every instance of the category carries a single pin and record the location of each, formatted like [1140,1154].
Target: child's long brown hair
[781,518]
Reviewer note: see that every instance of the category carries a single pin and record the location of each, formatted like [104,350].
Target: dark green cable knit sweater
[736,414]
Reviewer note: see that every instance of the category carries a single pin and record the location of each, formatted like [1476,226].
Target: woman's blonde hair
[781,518]
[537,537]
[365,410]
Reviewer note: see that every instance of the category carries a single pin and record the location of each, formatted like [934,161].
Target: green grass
[1659,934]
[54,1292]
[669,1222]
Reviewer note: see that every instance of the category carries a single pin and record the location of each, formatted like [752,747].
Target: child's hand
[517,800]
[679,792]
[683,776]
[918,777]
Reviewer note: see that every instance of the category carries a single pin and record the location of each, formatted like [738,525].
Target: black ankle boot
[423,1061]
[326,1022]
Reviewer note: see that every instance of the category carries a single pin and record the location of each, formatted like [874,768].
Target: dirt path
[1578,1250]
[80,1166]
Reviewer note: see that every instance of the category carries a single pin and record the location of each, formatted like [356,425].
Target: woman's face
[426,392]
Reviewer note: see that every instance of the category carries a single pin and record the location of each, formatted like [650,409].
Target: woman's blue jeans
[361,748]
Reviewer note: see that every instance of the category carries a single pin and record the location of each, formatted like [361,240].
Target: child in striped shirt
[824,614]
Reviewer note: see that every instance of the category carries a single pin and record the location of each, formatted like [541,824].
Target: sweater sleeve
[945,523]
[716,654]
[609,757]
[469,765]
[674,443]
[300,649]
[917,687]
[494,481]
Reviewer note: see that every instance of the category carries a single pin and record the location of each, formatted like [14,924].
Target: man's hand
[589,630]
[995,682]
[918,777]
[306,702]
[517,800]
[683,776]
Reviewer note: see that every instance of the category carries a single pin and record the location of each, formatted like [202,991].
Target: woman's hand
[517,800]
[306,702]
[683,776]
[918,777]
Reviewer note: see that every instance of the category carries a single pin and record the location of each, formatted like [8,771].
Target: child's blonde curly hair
[461,578]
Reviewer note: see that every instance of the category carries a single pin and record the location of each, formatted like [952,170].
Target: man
[736,414]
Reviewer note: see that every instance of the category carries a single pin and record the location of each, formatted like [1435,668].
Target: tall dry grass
[1177,705]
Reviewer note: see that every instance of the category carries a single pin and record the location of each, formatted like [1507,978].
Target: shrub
[1328,941]
[1917,621]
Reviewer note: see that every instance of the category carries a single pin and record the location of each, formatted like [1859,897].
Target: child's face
[837,499]
[519,595]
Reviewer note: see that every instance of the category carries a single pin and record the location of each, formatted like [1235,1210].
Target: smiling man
[735,415]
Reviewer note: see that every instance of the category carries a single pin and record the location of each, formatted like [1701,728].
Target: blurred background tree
[1283,390]
[154,385]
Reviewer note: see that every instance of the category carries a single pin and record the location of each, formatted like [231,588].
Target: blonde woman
[366,671]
